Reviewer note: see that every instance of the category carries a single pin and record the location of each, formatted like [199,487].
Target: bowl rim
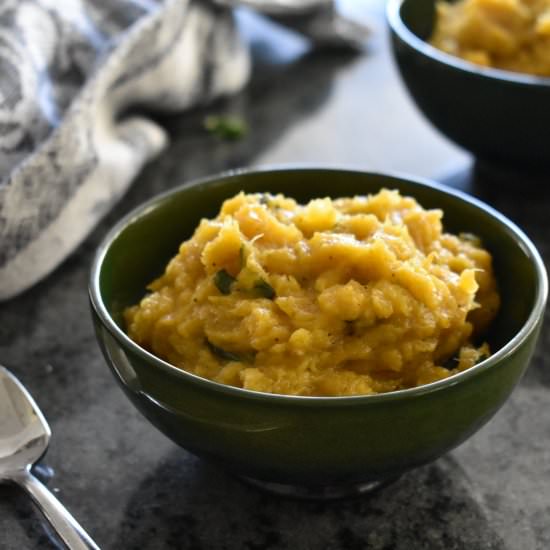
[393,15]
[98,306]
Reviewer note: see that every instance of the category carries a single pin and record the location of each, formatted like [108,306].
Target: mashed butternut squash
[506,34]
[338,297]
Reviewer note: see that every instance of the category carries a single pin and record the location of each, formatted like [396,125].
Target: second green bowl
[501,117]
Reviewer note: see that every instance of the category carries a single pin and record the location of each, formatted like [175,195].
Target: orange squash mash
[338,297]
[512,35]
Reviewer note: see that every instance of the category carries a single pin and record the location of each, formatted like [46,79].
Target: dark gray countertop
[133,489]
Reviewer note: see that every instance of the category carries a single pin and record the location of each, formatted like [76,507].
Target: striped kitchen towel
[74,75]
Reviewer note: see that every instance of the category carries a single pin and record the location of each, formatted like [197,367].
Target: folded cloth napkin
[73,77]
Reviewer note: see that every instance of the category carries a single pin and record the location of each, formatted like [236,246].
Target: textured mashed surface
[507,34]
[352,296]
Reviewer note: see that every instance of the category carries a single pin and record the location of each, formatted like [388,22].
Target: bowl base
[318,492]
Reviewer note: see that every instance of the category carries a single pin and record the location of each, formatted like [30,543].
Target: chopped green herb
[350,327]
[229,355]
[474,240]
[264,199]
[269,200]
[451,363]
[223,281]
[264,289]
[226,127]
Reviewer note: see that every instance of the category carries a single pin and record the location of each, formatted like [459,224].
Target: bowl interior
[419,17]
[138,249]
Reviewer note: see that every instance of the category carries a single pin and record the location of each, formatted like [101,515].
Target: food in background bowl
[337,297]
[506,34]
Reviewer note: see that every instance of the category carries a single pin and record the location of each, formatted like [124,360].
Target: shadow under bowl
[501,117]
[327,444]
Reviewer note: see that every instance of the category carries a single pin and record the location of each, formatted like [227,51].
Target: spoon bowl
[24,438]
[24,432]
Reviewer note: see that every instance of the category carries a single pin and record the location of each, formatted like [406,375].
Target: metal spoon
[24,438]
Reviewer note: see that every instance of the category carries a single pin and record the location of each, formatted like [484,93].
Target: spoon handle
[68,529]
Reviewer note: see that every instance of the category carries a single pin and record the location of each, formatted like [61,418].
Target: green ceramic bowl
[501,117]
[324,445]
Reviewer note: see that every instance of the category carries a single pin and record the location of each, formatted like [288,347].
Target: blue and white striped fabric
[70,71]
